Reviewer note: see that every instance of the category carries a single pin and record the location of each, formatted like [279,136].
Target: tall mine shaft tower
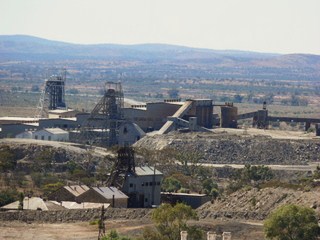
[52,96]
[101,127]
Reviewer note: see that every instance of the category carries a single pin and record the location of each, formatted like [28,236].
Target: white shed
[51,134]
[27,134]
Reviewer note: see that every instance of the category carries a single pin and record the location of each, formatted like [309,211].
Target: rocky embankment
[256,204]
[74,215]
[225,148]
[25,152]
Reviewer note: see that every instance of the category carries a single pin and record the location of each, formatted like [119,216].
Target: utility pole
[102,226]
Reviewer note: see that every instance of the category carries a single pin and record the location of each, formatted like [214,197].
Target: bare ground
[84,231]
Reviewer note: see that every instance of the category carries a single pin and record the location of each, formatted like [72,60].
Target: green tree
[43,161]
[316,173]
[208,185]
[171,184]
[8,196]
[21,198]
[190,161]
[171,220]
[7,161]
[214,193]
[256,173]
[151,234]
[292,222]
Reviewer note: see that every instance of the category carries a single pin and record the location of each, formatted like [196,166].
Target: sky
[275,26]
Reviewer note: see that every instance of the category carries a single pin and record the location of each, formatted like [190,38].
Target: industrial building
[10,130]
[129,133]
[63,123]
[68,193]
[111,195]
[143,186]
[25,135]
[154,116]
[62,113]
[110,123]
[84,194]
[51,134]
[193,200]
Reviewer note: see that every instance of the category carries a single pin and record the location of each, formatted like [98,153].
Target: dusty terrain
[241,213]
[84,231]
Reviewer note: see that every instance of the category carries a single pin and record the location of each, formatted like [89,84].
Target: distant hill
[226,62]
[22,46]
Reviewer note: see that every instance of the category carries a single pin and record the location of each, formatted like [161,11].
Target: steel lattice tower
[52,96]
[123,165]
[101,128]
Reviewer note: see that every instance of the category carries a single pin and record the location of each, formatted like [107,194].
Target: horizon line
[156,43]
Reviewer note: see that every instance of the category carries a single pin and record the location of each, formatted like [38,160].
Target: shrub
[292,222]
[113,235]
[7,160]
[8,196]
[171,220]
[208,185]
[171,184]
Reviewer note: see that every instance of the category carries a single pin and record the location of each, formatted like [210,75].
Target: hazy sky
[283,26]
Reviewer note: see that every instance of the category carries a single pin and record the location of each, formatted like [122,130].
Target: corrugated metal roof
[55,130]
[84,205]
[109,192]
[74,119]
[33,203]
[62,111]
[184,194]
[19,118]
[146,171]
[77,190]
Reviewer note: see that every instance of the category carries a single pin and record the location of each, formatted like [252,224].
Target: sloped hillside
[229,148]
[258,203]
[26,152]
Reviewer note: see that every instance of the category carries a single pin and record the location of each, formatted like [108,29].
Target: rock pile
[258,203]
[237,149]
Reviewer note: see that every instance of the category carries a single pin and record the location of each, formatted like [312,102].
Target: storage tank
[229,116]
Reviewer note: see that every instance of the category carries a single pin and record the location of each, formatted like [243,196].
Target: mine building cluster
[110,123]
